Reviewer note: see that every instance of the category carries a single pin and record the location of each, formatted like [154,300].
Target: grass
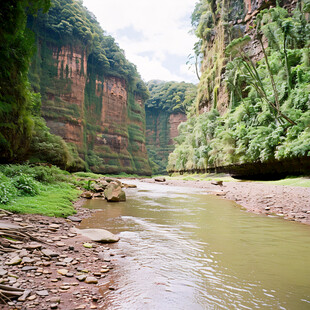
[201,177]
[289,181]
[52,200]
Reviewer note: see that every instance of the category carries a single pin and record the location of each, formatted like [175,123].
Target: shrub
[25,185]
[7,189]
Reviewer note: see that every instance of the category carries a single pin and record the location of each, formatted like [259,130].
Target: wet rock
[25,295]
[81,277]
[91,280]
[87,245]
[3,272]
[29,268]
[87,195]
[27,260]
[220,183]
[49,253]
[130,185]
[17,219]
[14,261]
[74,219]
[63,272]
[55,299]
[114,193]
[160,179]
[99,235]
[69,275]
[33,246]
[54,226]
[60,244]
[23,253]
[42,293]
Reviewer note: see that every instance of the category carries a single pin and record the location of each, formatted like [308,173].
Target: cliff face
[161,129]
[99,115]
[235,19]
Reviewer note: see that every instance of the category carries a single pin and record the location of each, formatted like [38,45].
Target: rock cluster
[56,271]
[108,188]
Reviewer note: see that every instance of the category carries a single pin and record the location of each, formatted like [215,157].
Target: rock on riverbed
[98,235]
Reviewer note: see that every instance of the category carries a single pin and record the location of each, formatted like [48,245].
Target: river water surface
[189,250]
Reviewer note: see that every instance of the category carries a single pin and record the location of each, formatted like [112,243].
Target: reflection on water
[189,250]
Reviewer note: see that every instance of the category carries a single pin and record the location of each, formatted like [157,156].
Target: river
[189,250]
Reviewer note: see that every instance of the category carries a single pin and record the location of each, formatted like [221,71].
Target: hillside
[253,106]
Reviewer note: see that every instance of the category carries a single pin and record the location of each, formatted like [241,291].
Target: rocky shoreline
[288,202]
[60,269]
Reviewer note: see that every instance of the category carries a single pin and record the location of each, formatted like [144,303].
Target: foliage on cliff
[69,23]
[23,133]
[269,114]
[78,69]
[16,99]
[166,98]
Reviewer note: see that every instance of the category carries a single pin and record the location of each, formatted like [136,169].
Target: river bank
[288,202]
[59,270]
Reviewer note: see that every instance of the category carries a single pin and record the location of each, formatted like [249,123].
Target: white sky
[153,33]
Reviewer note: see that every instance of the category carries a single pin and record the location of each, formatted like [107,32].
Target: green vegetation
[269,101]
[170,96]
[166,98]
[71,46]
[16,99]
[37,189]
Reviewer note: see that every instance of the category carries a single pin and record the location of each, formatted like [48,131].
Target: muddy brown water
[189,250]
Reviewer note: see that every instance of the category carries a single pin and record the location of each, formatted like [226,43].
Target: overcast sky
[153,33]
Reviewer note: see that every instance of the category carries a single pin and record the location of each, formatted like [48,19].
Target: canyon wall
[99,115]
[235,19]
[161,129]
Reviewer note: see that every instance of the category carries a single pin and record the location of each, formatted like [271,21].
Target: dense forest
[266,114]
[168,100]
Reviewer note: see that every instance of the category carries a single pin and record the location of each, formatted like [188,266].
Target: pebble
[74,219]
[42,293]
[3,272]
[54,306]
[14,261]
[60,244]
[62,271]
[87,245]
[65,287]
[91,280]
[69,275]
[32,297]
[29,268]
[50,253]
[81,277]
[55,299]
[53,226]
[33,246]
[17,219]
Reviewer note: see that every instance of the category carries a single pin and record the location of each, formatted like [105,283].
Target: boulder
[114,193]
[87,195]
[160,179]
[98,235]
